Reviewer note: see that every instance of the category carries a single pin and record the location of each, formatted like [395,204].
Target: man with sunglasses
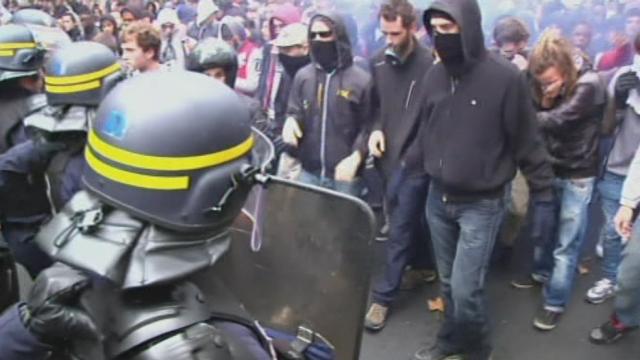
[396,71]
[328,110]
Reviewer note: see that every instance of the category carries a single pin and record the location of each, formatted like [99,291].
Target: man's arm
[524,139]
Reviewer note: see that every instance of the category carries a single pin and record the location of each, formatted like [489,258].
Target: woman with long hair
[570,101]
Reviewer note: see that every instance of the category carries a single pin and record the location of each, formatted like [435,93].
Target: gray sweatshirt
[631,188]
[628,136]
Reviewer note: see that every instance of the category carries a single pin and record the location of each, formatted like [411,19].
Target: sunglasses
[321,34]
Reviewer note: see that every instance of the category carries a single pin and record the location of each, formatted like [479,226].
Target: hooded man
[270,72]
[478,127]
[171,50]
[232,31]
[328,112]
[203,27]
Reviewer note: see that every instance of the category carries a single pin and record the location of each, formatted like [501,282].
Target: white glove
[291,132]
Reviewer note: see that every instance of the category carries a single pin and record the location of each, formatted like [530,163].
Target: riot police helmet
[33,17]
[213,53]
[81,73]
[178,159]
[20,54]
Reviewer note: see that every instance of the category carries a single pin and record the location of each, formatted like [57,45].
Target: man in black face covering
[478,126]
[329,109]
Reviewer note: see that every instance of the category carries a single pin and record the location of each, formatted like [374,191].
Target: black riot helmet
[214,53]
[20,54]
[81,73]
[33,17]
[178,159]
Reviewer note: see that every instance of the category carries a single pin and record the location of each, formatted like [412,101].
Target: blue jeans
[627,302]
[463,235]
[406,196]
[572,203]
[350,188]
[610,188]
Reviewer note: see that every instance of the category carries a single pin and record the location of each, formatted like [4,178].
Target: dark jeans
[463,236]
[407,243]
[627,302]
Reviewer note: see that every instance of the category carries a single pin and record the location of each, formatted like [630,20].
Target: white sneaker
[601,291]
[599,250]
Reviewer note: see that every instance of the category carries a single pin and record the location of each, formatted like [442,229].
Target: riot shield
[301,257]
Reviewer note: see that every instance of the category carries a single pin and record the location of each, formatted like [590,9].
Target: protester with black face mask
[293,55]
[478,126]
[328,112]
[396,71]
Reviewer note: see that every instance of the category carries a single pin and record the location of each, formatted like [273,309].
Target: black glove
[48,148]
[49,313]
[625,83]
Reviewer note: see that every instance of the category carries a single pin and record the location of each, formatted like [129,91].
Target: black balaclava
[450,51]
[292,64]
[325,53]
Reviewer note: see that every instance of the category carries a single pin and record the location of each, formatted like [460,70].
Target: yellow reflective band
[76,79]
[7,53]
[55,89]
[134,179]
[16,46]
[164,163]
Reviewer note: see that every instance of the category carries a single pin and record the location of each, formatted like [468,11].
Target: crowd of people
[466,126]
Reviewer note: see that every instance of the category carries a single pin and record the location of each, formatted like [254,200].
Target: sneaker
[376,317]
[599,250]
[413,278]
[601,291]
[434,353]
[383,233]
[546,320]
[609,332]
[528,281]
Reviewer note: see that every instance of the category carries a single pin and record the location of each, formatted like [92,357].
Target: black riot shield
[301,257]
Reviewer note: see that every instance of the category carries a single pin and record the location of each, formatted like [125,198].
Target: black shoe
[434,353]
[608,333]
[546,320]
[528,281]
[383,233]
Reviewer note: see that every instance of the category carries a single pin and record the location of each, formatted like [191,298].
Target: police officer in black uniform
[25,206]
[160,199]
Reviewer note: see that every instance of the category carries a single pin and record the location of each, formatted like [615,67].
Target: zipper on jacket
[413,84]
[323,134]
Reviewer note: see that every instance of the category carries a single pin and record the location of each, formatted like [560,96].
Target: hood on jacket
[287,13]
[466,13]
[337,25]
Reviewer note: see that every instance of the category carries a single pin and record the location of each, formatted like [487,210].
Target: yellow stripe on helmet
[68,89]
[16,46]
[76,79]
[134,179]
[164,163]
[7,53]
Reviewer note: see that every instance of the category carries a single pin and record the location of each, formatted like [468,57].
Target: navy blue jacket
[16,342]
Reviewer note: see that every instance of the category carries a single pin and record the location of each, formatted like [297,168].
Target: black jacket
[571,128]
[396,96]
[479,126]
[333,110]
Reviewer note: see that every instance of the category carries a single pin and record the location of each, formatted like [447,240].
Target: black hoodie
[333,110]
[479,126]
